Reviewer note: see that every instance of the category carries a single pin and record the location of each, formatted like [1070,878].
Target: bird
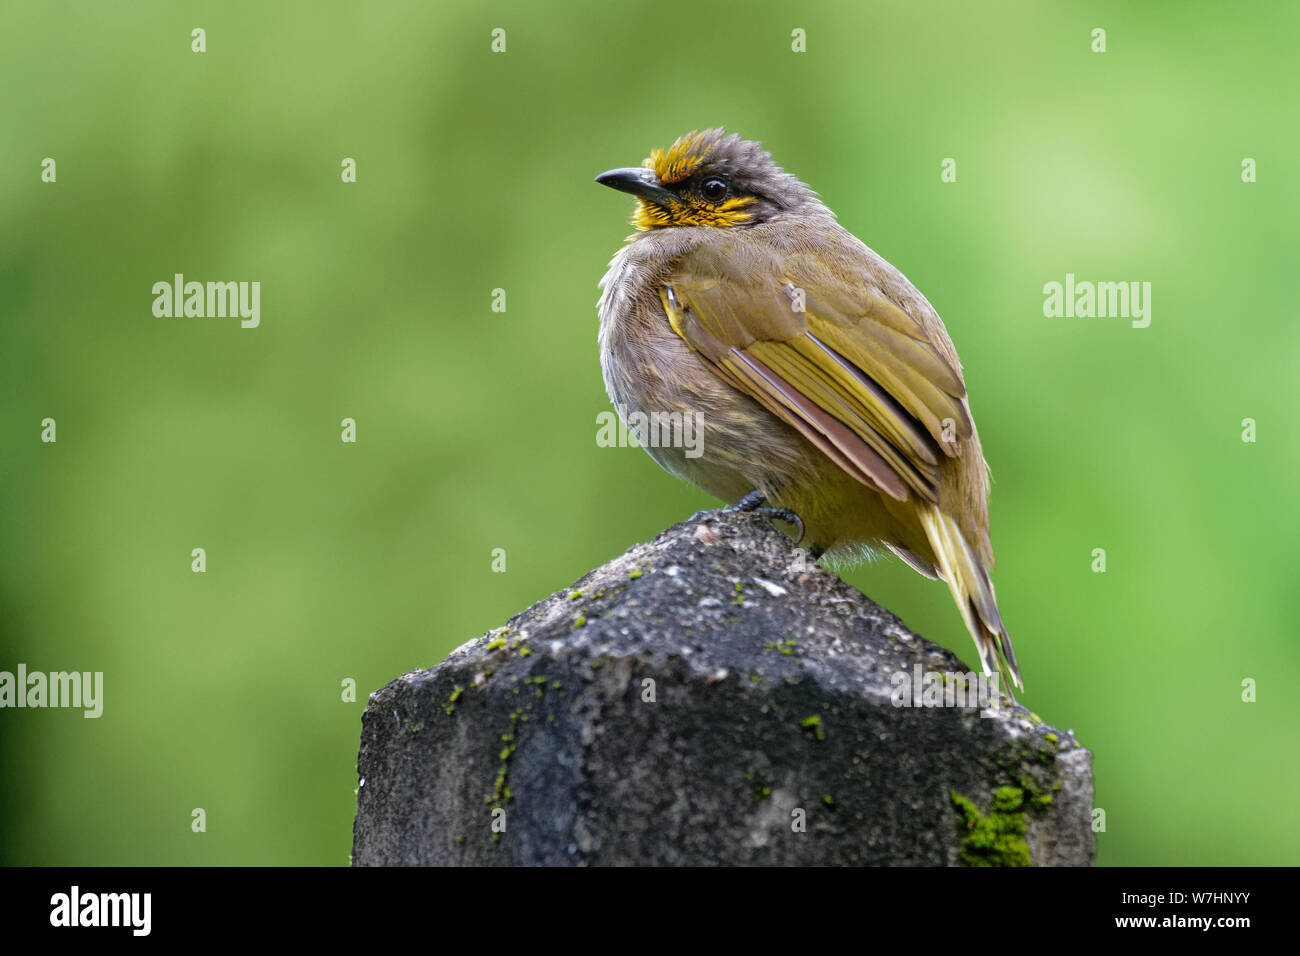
[826,385]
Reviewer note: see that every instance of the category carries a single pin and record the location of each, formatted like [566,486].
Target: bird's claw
[753,502]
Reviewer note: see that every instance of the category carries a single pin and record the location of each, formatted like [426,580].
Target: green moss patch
[997,839]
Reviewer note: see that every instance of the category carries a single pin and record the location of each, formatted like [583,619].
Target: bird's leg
[750,502]
[754,502]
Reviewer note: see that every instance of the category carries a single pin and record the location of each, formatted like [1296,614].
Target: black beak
[637,180]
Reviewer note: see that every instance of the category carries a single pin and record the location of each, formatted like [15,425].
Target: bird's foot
[754,502]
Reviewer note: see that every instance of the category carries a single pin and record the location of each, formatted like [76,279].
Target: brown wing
[810,335]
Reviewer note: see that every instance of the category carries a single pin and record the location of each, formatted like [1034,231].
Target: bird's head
[710,179]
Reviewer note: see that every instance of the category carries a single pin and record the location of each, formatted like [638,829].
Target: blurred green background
[476,429]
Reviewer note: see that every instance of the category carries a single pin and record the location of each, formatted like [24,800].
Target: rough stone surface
[712,697]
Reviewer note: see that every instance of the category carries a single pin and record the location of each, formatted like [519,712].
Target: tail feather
[968,579]
[915,562]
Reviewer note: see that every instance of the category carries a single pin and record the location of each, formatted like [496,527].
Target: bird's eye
[713,190]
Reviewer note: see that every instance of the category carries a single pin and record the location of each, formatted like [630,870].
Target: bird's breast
[731,444]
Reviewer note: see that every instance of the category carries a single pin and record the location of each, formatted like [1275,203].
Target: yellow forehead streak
[680,160]
[649,215]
